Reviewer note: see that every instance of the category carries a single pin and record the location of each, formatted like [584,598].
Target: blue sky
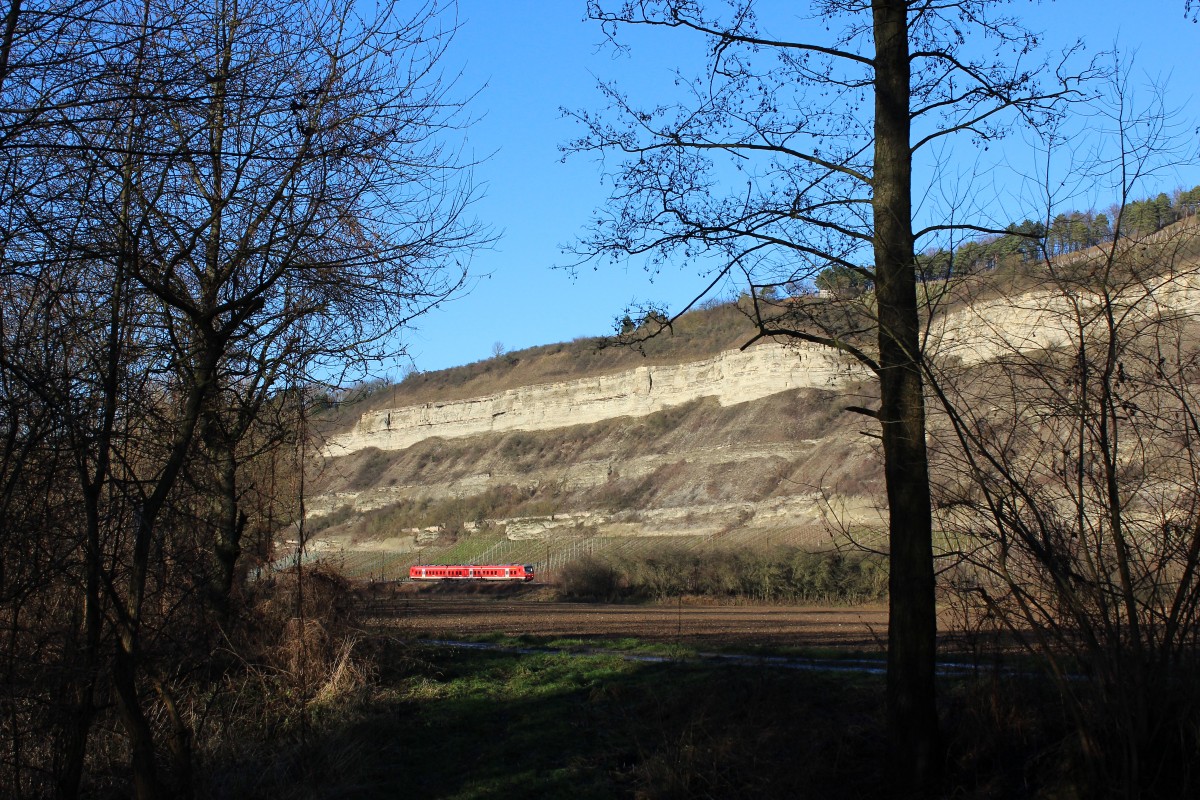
[529,58]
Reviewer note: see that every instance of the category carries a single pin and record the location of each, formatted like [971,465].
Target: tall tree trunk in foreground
[912,628]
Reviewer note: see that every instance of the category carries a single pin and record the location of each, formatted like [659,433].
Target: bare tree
[792,154]
[1070,481]
[212,197]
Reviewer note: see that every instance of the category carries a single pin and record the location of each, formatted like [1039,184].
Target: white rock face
[1005,327]
[732,377]
[980,332]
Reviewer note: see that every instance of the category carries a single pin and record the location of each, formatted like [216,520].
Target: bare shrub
[589,578]
[766,575]
[370,469]
[1068,486]
[295,659]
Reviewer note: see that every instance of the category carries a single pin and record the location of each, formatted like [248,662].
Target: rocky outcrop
[996,329]
[979,332]
[788,468]
[732,377]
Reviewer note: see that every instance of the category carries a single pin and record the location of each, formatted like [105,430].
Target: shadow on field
[452,723]
[478,724]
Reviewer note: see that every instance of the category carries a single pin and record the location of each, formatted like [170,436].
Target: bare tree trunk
[81,702]
[914,757]
[231,523]
[146,784]
[74,745]
[128,658]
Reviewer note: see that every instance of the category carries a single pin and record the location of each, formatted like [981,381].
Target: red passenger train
[471,572]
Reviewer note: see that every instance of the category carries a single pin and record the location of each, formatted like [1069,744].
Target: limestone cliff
[744,447]
[732,377]
[975,333]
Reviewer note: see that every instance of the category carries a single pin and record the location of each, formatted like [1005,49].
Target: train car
[471,572]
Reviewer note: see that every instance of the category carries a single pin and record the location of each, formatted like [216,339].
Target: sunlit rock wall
[982,331]
[732,377]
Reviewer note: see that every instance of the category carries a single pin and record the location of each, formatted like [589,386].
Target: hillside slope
[626,449]
[698,472]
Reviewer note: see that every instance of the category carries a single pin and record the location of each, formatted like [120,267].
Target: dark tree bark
[818,136]
[912,620]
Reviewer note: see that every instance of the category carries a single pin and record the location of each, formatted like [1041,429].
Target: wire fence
[548,555]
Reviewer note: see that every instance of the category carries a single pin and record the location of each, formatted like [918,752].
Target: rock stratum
[749,446]
[736,376]
[980,332]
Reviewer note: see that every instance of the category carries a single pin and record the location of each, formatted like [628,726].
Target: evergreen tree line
[1068,232]
[1027,241]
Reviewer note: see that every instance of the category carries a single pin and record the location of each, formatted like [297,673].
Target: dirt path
[860,627]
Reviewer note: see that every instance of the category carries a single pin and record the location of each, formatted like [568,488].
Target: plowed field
[860,627]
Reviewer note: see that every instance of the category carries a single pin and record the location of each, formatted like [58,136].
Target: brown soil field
[861,628]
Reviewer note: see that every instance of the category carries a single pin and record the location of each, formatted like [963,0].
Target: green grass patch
[455,723]
[624,645]
[489,725]
[682,652]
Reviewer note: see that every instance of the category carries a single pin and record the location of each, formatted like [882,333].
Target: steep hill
[737,447]
[549,453]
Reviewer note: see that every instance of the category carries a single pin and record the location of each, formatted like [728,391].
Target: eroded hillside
[763,470]
[688,447]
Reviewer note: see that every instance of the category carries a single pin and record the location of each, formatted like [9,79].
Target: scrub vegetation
[762,574]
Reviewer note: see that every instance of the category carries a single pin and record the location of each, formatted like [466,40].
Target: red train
[471,572]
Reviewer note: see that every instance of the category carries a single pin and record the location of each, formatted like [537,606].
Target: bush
[339,515]
[771,575]
[295,666]
[374,463]
[590,579]
[452,514]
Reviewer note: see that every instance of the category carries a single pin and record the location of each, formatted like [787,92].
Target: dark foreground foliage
[438,722]
[313,705]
